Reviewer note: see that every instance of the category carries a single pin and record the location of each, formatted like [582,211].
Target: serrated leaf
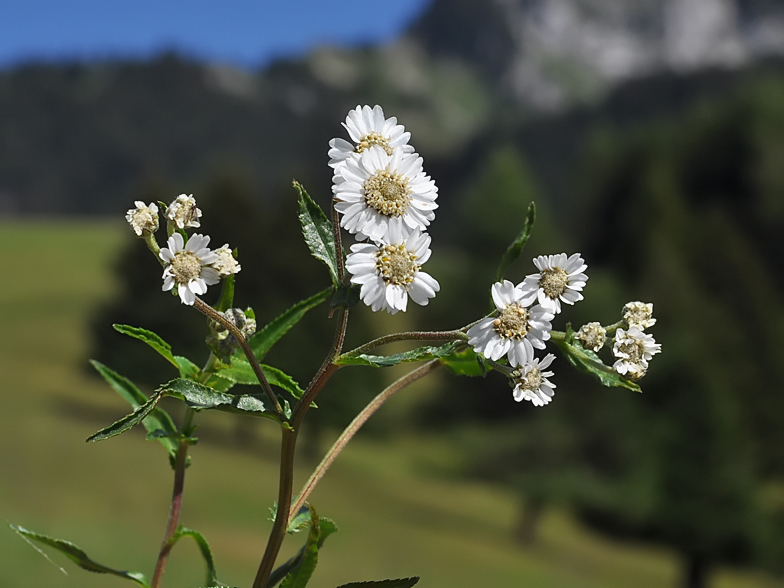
[398,583]
[157,420]
[464,363]
[128,421]
[318,232]
[204,548]
[241,372]
[152,339]
[418,354]
[201,397]
[226,299]
[326,528]
[300,520]
[300,574]
[187,368]
[263,341]
[77,555]
[516,247]
[588,362]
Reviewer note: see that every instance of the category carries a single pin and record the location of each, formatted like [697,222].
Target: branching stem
[354,426]
[287,449]
[213,314]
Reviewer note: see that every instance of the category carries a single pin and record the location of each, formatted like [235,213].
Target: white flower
[559,280]
[143,218]
[376,191]
[639,314]
[634,350]
[591,336]
[389,274]
[189,266]
[368,127]
[532,384]
[226,264]
[516,330]
[183,212]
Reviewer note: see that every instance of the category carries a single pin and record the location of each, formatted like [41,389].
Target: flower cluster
[189,265]
[517,328]
[633,347]
[386,201]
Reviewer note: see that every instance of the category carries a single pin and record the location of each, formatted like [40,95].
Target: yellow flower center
[185,267]
[371,139]
[396,265]
[635,349]
[512,322]
[532,380]
[388,192]
[553,282]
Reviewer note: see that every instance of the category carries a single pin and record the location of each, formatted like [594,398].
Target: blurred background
[649,133]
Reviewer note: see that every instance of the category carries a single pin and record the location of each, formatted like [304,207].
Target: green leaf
[157,420]
[516,247]
[318,232]
[201,397]
[227,294]
[151,339]
[263,341]
[187,368]
[464,363]
[300,520]
[125,423]
[300,574]
[418,354]
[241,372]
[326,528]
[204,548]
[399,583]
[588,362]
[76,555]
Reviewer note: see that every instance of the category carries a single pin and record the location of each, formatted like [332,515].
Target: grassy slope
[111,498]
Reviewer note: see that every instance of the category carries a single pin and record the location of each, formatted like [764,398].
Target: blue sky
[244,32]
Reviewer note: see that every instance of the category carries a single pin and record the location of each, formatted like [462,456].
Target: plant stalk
[287,450]
[354,426]
[176,503]
[409,336]
[213,314]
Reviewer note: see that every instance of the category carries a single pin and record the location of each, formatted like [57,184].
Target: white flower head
[226,264]
[591,336]
[376,191]
[391,273]
[515,331]
[188,266]
[183,214]
[639,314]
[634,350]
[530,382]
[367,127]
[143,218]
[560,279]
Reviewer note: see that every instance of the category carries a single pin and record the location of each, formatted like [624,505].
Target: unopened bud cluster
[221,341]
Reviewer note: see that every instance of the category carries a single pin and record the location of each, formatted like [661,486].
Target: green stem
[213,314]
[287,450]
[409,336]
[176,502]
[354,426]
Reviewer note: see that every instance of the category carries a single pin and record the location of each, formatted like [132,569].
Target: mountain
[89,138]
[553,53]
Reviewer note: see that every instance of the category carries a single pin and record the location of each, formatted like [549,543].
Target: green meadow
[396,517]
